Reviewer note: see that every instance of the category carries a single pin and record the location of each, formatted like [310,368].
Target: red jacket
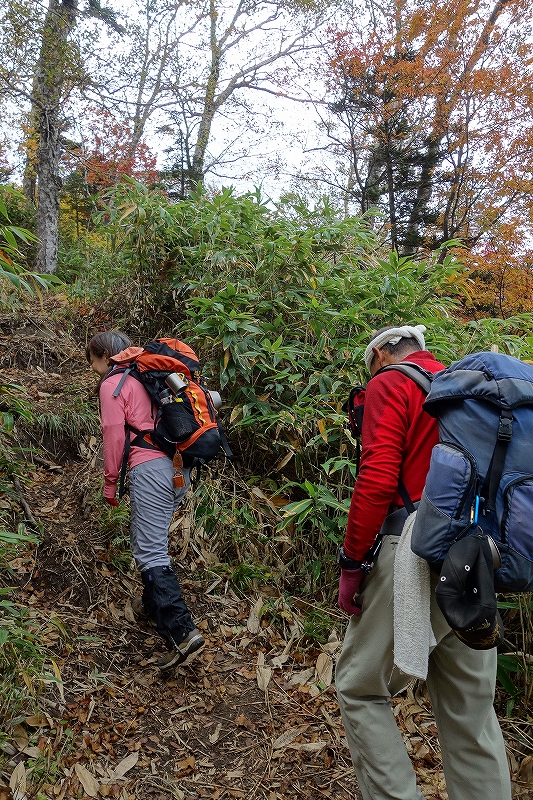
[398,437]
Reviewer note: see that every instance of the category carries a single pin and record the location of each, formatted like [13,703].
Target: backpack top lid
[502,380]
[127,355]
[161,355]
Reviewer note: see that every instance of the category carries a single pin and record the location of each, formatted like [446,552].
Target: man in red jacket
[397,440]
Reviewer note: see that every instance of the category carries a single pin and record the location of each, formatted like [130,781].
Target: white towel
[393,336]
[413,634]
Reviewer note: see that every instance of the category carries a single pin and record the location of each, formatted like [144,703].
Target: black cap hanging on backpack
[466,596]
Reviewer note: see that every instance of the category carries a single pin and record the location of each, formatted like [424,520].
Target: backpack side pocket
[178,422]
[445,507]
[516,536]
[203,449]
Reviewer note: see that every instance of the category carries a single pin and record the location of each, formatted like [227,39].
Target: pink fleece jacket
[133,405]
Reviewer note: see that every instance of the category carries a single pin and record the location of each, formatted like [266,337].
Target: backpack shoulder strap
[423,379]
[418,374]
[125,372]
[127,428]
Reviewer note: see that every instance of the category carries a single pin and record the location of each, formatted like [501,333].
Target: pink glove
[111,501]
[349,582]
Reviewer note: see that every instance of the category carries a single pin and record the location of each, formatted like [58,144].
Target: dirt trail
[248,719]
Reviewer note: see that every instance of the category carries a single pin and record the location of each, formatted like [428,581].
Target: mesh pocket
[178,422]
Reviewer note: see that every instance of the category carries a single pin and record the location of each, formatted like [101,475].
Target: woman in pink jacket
[153,500]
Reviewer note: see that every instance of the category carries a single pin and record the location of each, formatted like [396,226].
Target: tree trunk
[50,78]
[209,105]
[392,197]
[49,184]
[29,179]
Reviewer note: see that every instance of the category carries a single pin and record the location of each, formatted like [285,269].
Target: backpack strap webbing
[404,494]
[125,374]
[418,374]
[223,440]
[495,470]
[124,466]
[139,440]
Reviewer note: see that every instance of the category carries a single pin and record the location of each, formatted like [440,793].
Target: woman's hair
[106,343]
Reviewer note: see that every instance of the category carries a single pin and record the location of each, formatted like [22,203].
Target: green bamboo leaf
[9,237]
[297,508]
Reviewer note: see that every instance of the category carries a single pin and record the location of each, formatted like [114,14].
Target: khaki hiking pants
[461,684]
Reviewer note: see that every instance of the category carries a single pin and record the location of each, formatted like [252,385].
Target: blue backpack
[480,480]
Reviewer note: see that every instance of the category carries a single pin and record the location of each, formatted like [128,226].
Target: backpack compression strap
[495,470]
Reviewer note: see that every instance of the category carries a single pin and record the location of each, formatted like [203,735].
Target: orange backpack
[186,424]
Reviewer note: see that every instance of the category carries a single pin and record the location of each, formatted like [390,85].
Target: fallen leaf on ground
[288,736]
[324,669]
[308,747]
[126,764]
[263,672]
[244,722]
[254,620]
[50,507]
[216,733]
[87,780]
[17,782]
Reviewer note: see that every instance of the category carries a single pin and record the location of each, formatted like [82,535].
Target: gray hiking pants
[154,498]
[461,684]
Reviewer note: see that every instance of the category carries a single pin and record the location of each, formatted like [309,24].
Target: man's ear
[379,356]
[381,359]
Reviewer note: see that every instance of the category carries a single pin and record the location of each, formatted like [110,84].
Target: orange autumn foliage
[108,154]
[438,102]
[500,276]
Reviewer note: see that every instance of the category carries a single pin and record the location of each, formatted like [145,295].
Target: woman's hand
[111,501]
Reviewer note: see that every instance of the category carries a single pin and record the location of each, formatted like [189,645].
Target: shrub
[280,301]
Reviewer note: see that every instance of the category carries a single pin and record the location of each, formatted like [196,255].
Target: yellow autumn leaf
[322,428]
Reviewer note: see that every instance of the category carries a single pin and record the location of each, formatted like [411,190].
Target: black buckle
[505,429]
[370,558]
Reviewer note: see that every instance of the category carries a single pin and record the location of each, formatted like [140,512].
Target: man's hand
[349,582]
[111,501]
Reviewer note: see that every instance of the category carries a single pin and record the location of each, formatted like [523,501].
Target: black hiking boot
[183,653]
